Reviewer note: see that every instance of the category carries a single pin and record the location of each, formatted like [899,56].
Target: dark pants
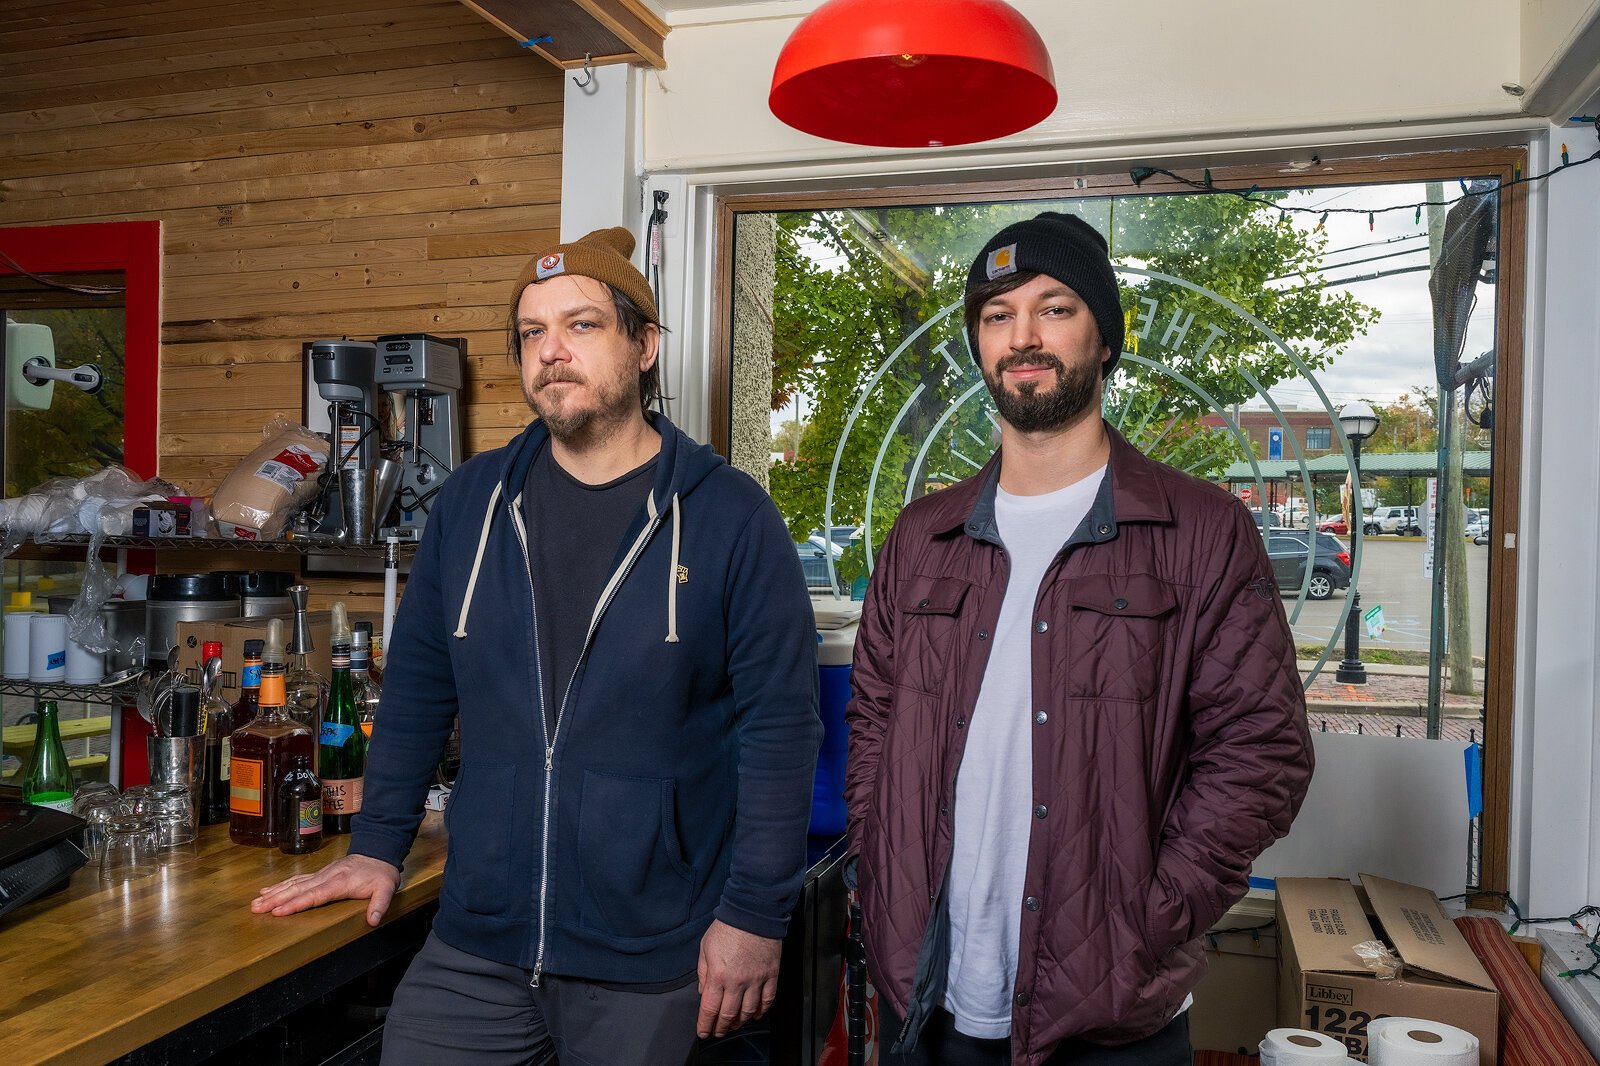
[453,1007]
[941,1045]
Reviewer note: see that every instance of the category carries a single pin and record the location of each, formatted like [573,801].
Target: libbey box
[233,632]
[1325,986]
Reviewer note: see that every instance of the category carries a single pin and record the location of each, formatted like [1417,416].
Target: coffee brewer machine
[394,400]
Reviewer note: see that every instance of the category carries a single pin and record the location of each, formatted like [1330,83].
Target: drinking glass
[130,849]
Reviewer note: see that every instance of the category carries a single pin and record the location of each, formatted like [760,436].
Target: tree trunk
[1458,606]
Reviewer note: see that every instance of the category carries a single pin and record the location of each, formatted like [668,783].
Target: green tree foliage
[858,286]
[80,432]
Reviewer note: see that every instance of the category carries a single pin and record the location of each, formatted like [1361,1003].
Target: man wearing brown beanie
[620,621]
[1076,714]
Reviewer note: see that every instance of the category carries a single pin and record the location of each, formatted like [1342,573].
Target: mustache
[1020,359]
[552,374]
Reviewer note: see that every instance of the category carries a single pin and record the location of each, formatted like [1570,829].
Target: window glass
[1250,327]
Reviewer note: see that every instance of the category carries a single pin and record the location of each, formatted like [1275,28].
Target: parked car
[814,552]
[1402,520]
[1478,526]
[1336,524]
[1290,555]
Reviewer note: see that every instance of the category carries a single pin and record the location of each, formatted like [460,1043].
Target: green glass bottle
[342,752]
[48,781]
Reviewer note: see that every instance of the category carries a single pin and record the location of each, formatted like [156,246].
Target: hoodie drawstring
[477,563]
[672,573]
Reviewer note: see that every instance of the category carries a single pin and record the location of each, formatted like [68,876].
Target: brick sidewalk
[1388,705]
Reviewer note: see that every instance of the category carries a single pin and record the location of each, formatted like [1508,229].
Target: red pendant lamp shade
[913,73]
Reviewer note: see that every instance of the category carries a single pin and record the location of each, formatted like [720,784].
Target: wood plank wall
[320,170]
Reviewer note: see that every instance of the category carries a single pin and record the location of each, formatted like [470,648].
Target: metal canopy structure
[1332,467]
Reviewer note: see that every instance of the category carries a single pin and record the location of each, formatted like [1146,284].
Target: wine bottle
[342,751]
[48,780]
[299,809]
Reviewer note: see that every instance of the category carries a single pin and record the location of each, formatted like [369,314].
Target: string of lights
[1591,911]
[1253,194]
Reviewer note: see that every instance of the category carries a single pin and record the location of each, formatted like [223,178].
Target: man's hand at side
[349,877]
[738,978]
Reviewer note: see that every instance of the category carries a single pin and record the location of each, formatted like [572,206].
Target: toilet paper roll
[1419,1042]
[1301,1047]
[18,626]
[47,649]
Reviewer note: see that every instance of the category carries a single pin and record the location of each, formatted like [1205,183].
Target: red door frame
[135,249]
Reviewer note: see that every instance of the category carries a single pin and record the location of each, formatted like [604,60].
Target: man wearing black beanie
[1097,722]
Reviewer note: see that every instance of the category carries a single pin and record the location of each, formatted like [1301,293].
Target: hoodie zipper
[552,734]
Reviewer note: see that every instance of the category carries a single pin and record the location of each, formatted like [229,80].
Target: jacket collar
[1131,492]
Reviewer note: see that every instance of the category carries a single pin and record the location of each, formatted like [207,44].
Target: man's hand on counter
[738,978]
[348,877]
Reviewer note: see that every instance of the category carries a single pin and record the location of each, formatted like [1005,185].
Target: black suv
[1289,554]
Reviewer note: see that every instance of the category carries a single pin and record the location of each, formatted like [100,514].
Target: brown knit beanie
[602,255]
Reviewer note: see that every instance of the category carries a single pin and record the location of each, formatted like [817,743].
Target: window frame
[1505,163]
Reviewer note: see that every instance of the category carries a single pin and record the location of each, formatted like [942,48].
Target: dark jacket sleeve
[414,719]
[1251,759]
[772,667]
[871,691]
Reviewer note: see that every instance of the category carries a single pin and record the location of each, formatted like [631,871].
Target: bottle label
[272,690]
[366,727]
[252,676]
[244,790]
[309,818]
[342,797]
[227,760]
[334,734]
[54,805]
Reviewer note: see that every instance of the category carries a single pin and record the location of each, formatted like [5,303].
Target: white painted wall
[1162,82]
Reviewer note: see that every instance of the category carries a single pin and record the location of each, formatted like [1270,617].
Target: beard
[1031,408]
[613,404]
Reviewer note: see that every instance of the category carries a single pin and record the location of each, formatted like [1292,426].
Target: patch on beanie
[1002,261]
[550,266]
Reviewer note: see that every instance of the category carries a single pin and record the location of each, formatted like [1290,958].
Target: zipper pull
[533,982]
[549,755]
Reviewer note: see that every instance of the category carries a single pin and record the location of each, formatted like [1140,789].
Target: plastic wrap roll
[1419,1042]
[1301,1047]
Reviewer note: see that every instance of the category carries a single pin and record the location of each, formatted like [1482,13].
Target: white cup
[47,649]
[84,667]
[18,626]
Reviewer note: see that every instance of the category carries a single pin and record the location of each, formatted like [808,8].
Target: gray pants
[453,1007]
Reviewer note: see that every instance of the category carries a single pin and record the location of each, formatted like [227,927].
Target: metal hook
[588,73]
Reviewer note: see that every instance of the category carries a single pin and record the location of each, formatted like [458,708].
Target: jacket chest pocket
[930,617]
[1116,635]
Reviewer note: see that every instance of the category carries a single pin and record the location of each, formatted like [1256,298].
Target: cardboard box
[233,632]
[1323,985]
[1235,1003]
[161,520]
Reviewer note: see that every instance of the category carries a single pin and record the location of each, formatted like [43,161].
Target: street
[1391,575]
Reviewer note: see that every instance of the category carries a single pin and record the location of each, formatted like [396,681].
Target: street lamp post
[1360,421]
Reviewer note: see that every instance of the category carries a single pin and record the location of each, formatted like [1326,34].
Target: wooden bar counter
[97,971]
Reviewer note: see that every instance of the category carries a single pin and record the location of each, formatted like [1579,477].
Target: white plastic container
[47,649]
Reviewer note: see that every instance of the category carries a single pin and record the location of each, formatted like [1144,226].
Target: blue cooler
[836,642]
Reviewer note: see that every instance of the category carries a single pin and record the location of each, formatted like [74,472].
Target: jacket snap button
[1023,999]
[983,634]
[961,721]
[1040,626]
[922,603]
[1121,604]
[1104,528]
[1032,903]
[1040,717]
[1040,811]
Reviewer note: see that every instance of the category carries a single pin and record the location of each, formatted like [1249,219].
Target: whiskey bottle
[262,752]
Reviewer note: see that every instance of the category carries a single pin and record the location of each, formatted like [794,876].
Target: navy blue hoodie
[676,786]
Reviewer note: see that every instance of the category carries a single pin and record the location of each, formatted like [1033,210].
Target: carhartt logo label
[1002,261]
[550,265]
[683,575]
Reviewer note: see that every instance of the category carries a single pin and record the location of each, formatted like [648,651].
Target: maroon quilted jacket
[1170,745]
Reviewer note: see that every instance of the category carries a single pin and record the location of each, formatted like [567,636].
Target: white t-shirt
[994,787]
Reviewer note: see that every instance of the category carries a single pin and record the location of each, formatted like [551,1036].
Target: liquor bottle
[375,657]
[300,809]
[248,705]
[219,738]
[305,689]
[368,690]
[342,751]
[48,780]
[261,753]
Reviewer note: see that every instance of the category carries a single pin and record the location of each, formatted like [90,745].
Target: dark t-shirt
[575,535]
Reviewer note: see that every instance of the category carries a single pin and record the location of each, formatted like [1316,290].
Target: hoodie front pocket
[636,882]
[479,869]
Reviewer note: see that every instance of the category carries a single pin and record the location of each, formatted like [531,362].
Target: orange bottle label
[272,690]
[366,727]
[342,797]
[244,787]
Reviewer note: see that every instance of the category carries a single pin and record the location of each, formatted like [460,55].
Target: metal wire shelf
[277,547]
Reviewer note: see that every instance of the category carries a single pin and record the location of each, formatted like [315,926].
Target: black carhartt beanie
[1068,249]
